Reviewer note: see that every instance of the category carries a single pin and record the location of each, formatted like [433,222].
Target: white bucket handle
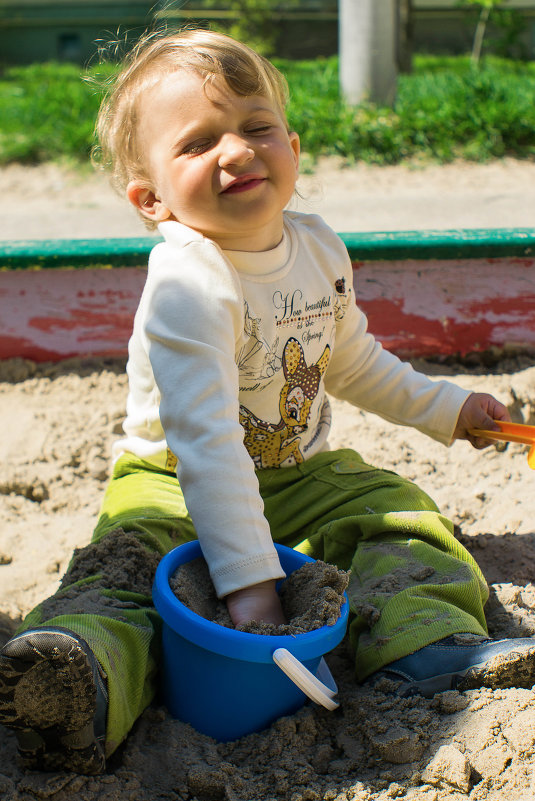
[307,682]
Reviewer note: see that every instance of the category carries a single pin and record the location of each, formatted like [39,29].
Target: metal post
[368,50]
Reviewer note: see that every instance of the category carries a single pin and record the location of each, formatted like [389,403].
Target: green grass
[47,112]
[446,109]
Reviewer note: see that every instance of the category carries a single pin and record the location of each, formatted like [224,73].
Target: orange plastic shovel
[511,432]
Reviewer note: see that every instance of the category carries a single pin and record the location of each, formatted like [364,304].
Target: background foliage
[253,21]
[445,109]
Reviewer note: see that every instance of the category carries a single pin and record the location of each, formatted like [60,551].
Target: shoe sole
[515,669]
[48,695]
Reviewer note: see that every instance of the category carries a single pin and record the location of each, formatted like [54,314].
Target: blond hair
[209,54]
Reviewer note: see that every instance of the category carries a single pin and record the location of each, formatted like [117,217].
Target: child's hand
[480,411]
[259,602]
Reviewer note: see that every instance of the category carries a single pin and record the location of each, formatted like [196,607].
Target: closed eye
[258,130]
[195,148]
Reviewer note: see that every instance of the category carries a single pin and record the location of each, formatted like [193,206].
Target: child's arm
[371,378]
[479,411]
[192,317]
[364,374]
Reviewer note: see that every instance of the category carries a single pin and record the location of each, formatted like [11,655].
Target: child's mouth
[243,184]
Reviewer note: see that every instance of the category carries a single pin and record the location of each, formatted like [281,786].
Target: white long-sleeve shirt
[230,360]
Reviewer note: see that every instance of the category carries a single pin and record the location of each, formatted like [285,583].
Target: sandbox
[59,419]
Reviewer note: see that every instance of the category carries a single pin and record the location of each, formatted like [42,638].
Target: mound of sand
[58,424]
[311,597]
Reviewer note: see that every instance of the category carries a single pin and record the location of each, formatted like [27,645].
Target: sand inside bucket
[311,597]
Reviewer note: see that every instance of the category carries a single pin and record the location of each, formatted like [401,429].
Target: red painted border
[48,315]
[416,308]
[449,307]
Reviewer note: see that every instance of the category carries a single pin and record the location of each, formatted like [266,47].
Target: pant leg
[412,582]
[106,593]
[333,507]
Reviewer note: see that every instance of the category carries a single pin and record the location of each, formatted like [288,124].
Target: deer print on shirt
[270,444]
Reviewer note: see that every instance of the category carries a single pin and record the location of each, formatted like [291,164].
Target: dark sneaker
[462,662]
[53,694]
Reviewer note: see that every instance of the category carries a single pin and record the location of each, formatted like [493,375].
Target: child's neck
[266,238]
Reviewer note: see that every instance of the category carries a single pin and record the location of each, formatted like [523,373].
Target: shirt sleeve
[374,379]
[193,320]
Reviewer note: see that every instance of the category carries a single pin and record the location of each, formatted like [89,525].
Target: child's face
[223,164]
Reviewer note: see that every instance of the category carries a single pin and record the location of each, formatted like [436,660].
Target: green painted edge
[453,244]
[375,246]
[50,253]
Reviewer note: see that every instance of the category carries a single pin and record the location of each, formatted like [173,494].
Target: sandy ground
[48,202]
[58,422]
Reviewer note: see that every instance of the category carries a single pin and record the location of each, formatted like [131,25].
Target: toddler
[246,323]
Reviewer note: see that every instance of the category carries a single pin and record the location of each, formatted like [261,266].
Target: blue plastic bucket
[226,683]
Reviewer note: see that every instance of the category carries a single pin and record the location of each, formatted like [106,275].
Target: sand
[58,422]
[311,597]
[49,201]
[58,425]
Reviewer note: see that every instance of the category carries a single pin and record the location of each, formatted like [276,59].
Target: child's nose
[235,150]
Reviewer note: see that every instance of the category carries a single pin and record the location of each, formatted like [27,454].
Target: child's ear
[146,202]
[296,146]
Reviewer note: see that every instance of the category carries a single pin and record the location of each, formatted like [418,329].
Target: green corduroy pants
[412,583]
